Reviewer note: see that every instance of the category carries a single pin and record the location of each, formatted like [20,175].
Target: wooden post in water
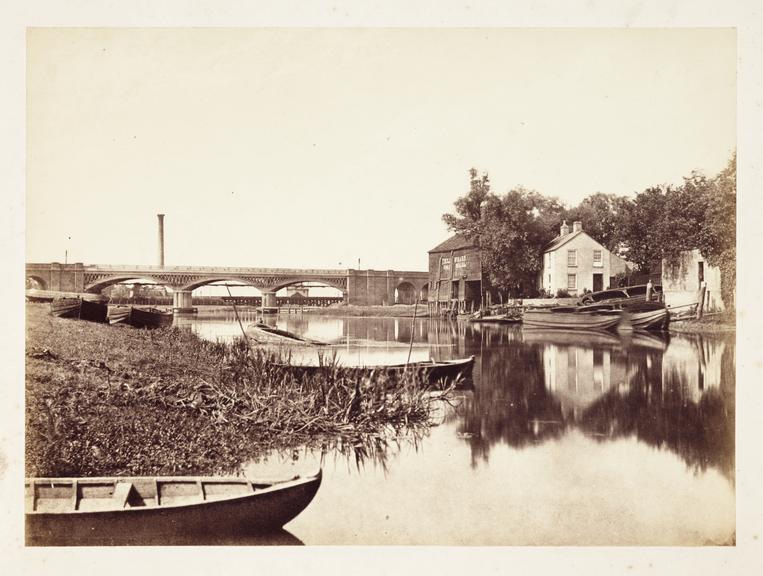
[701,300]
[413,330]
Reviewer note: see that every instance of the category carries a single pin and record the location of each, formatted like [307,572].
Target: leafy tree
[682,225]
[511,231]
[718,243]
[641,227]
[601,215]
[468,217]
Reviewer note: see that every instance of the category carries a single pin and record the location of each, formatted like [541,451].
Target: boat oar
[235,311]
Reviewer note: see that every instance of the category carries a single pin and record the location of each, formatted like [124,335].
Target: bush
[562,293]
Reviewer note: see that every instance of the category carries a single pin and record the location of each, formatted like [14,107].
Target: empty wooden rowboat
[61,509]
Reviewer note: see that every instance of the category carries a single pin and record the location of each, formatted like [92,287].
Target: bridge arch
[321,281]
[213,279]
[405,293]
[34,281]
[99,285]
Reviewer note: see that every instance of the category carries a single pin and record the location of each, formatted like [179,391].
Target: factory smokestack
[161,239]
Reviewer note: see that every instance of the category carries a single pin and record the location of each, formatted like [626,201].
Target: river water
[564,439]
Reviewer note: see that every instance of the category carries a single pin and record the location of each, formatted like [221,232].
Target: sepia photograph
[352,286]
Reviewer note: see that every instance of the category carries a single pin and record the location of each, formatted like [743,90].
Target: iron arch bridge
[360,287]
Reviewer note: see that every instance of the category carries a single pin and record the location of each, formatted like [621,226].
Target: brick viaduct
[361,287]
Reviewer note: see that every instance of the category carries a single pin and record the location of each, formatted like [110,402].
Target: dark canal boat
[79,308]
[58,509]
[139,317]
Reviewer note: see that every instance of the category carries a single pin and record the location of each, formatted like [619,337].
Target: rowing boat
[264,334]
[443,372]
[563,318]
[60,509]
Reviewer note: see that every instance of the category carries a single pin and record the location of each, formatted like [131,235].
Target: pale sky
[313,148]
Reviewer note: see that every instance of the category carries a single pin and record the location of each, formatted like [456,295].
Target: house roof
[562,240]
[455,242]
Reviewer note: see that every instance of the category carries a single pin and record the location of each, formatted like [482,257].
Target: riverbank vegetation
[658,223]
[105,400]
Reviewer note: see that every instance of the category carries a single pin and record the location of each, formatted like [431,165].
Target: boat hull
[260,511]
[65,307]
[149,318]
[650,320]
[432,372]
[570,320]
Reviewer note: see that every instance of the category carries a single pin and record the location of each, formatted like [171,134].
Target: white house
[681,283]
[573,261]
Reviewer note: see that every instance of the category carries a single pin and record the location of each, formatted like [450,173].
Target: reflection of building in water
[577,376]
[693,366]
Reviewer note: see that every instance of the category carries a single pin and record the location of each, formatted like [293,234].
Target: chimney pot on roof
[564,229]
[577,226]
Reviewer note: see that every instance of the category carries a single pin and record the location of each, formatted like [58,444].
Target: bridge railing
[215,269]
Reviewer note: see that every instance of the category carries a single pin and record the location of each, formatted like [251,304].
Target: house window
[572,257]
[572,282]
[597,261]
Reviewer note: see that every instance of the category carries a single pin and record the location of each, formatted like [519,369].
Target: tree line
[658,223]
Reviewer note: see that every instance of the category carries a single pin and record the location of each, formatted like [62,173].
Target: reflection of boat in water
[79,308]
[62,508]
[564,318]
[560,337]
[262,333]
[431,371]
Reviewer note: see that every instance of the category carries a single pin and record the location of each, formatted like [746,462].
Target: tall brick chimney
[564,229]
[161,239]
[577,226]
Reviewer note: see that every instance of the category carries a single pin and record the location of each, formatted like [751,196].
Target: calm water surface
[564,439]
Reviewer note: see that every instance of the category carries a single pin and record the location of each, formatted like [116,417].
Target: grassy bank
[712,324]
[104,400]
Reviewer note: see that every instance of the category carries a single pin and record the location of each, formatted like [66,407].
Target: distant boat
[262,333]
[36,295]
[625,295]
[78,308]
[637,314]
[571,319]
[429,370]
[512,317]
[58,508]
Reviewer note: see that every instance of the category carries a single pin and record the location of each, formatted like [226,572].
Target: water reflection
[109,537]
[673,393]
[531,386]
[550,414]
